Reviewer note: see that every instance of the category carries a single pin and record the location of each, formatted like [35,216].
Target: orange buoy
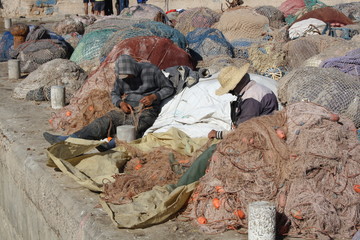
[280,133]
[239,213]
[137,167]
[334,117]
[357,188]
[219,189]
[183,161]
[202,220]
[216,203]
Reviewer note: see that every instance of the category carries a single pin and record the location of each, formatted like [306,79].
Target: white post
[261,221]
[7,23]
[14,69]
[125,133]
[57,97]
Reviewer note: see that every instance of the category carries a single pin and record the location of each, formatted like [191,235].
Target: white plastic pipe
[261,221]
[125,133]
[14,69]
[7,23]
[57,97]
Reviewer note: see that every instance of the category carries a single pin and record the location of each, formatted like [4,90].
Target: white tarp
[197,110]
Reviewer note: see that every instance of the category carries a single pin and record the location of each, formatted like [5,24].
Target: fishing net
[90,45]
[69,25]
[215,63]
[242,23]
[207,42]
[159,167]
[301,49]
[32,54]
[73,39]
[242,46]
[329,87]
[350,63]
[6,42]
[116,23]
[58,72]
[87,20]
[149,28]
[146,11]
[331,52]
[193,18]
[268,55]
[158,51]
[328,15]
[351,10]
[309,174]
[275,16]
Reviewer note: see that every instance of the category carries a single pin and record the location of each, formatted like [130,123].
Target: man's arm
[116,94]
[116,98]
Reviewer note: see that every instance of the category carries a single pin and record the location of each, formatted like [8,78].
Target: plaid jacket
[148,79]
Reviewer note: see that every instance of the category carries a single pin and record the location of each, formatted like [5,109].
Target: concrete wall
[33,8]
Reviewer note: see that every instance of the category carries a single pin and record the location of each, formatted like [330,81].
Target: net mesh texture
[309,172]
[329,87]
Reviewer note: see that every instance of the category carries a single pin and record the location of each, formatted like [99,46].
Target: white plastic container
[57,97]
[14,69]
[125,133]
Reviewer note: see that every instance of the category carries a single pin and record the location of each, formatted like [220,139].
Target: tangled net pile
[143,172]
[116,23]
[145,11]
[208,42]
[275,16]
[149,28]
[351,10]
[267,55]
[329,87]
[301,49]
[90,45]
[194,18]
[33,54]
[311,174]
[242,23]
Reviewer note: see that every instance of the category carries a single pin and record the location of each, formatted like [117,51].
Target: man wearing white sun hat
[253,99]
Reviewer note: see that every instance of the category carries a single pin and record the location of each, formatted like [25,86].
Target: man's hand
[212,134]
[125,107]
[148,100]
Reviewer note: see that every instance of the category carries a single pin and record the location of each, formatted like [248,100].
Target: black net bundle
[34,53]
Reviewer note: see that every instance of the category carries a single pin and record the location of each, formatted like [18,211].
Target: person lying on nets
[253,99]
[139,88]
